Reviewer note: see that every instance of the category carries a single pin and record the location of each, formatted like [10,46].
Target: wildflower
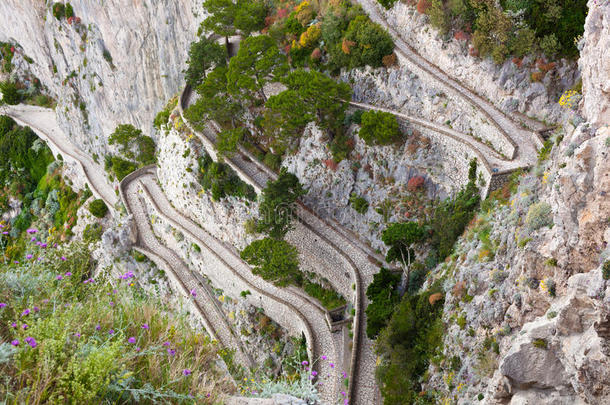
[31,342]
[5,233]
[145,326]
[15,342]
[304,363]
[323,357]
[332,365]
[43,245]
[193,293]
[346,402]
[13,325]
[166,344]
[63,258]
[33,239]
[343,393]
[131,340]
[138,349]
[111,332]
[344,374]
[25,326]
[171,352]
[186,371]
[111,303]
[77,334]
[31,231]
[45,301]
[2,304]
[16,262]
[98,327]
[29,257]
[68,274]
[59,277]
[25,312]
[314,373]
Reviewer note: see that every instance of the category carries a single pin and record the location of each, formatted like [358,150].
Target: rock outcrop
[120,61]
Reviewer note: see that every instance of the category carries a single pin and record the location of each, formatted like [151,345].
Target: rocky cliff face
[119,61]
[595,64]
[526,304]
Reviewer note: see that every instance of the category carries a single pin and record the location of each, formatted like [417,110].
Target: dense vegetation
[272,257]
[322,36]
[68,337]
[135,150]
[222,181]
[379,127]
[511,27]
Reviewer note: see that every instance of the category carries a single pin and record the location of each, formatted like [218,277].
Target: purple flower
[344,374]
[29,256]
[111,332]
[45,301]
[131,340]
[59,277]
[63,258]
[32,230]
[111,303]
[314,373]
[15,342]
[343,393]
[77,334]
[323,357]
[345,401]
[14,325]
[332,365]
[98,327]
[33,239]
[25,326]
[2,304]
[304,363]
[166,344]
[193,292]
[5,233]
[44,245]
[186,371]
[171,352]
[145,326]
[68,274]
[138,349]
[25,312]
[16,262]
[31,341]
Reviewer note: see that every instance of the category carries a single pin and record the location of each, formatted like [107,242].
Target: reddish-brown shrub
[434,298]
[458,289]
[346,46]
[316,54]
[461,36]
[537,76]
[331,164]
[473,51]
[518,61]
[389,60]
[423,6]
[415,183]
[545,67]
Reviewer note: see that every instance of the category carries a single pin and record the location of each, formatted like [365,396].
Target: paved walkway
[526,141]
[43,121]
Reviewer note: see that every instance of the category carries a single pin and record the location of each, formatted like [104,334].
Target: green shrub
[222,181]
[370,43]
[359,204]
[387,3]
[539,215]
[606,270]
[10,94]
[161,118]
[329,298]
[98,208]
[69,11]
[92,233]
[274,260]
[59,10]
[121,167]
[383,299]
[461,321]
[540,343]
[379,127]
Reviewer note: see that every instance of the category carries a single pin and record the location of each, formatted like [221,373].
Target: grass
[83,347]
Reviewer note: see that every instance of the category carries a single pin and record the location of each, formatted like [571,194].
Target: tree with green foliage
[412,338]
[401,238]
[228,140]
[274,260]
[383,296]
[257,62]
[387,3]
[10,94]
[128,138]
[370,43]
[250,16]
[286,116]
[203,55]
[451,216]
[221,17]
[379,127]
[98,208]
[121,167]
[278,204]
[221,180]
[215,103]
